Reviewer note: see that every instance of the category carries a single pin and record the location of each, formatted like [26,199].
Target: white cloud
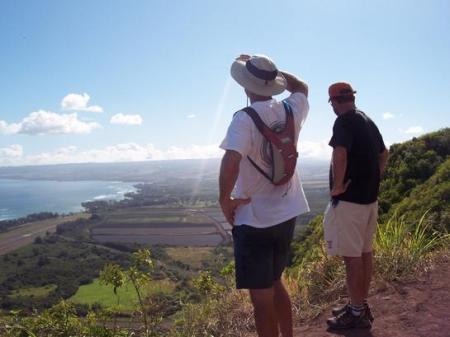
[12,151]
[126,119]
[414,130]
[47,122]
[191,116]
[115,153]
[77,102]
[314,150]
[124,152]
[193,152]
[11,155]
[7,129]
[388,115]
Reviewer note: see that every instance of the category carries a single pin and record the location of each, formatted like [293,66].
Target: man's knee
[353,264]
[262,297]
[350,260]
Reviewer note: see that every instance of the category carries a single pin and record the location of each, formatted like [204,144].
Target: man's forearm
[383,158]
[339,166]
[229,171]
[294,84]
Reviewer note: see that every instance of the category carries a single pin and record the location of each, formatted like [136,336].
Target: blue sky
[135,80]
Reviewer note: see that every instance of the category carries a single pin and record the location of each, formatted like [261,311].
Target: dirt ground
[419,308]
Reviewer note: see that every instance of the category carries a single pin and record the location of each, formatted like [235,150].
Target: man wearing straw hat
[359,158]
[261,213]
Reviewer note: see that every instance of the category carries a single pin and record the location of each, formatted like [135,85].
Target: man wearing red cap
[359,158]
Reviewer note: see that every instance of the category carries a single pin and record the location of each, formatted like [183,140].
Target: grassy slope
[432,196]
[104,295]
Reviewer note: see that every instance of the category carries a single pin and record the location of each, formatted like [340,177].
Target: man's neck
[260,99]
[348,110]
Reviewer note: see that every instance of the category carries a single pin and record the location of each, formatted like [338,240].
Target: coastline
[24,197]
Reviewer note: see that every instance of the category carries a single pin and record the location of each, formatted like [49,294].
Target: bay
[19,198]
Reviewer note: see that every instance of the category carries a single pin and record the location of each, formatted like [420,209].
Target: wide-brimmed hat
[259,75]
[340,89]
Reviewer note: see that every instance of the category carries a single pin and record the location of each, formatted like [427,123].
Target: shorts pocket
[330,229]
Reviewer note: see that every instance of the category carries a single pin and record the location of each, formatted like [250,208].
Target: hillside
[432,196]
[410,165]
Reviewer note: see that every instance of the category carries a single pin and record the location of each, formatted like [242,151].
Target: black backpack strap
[287,108]
[259,168]
[260,126]
[256,119]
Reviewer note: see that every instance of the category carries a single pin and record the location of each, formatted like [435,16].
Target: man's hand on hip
[229,206]
[339,189]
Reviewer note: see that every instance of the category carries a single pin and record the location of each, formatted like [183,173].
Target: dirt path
[412,309]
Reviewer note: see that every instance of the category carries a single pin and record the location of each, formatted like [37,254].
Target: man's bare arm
[383,158]
[294,84]
[229,171]
[339,169]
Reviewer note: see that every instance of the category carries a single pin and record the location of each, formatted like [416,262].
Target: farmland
[168,226]
[26,233]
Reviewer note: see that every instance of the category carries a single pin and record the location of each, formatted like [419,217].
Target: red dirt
[418,308]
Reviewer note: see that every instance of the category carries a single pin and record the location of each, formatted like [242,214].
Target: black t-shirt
[364,143]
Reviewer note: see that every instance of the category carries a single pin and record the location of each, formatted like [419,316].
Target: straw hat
[258,75]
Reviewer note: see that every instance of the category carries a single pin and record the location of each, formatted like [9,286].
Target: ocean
[19,198]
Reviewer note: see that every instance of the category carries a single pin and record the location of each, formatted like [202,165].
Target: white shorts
[349,228]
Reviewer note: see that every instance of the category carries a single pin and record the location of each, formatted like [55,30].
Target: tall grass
[314,282]
[402,249]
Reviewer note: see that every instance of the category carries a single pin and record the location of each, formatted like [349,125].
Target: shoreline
[15,210]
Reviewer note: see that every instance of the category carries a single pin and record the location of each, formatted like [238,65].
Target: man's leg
[367,259]
[264,312]
[283,309]
[355,279]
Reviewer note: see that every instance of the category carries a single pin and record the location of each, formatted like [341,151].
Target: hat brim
[242,76]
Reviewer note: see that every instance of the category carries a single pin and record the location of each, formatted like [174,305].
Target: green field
[104,294]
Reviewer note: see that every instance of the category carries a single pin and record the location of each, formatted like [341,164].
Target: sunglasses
[341,99]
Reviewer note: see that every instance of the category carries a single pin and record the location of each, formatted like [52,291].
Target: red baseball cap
[340,89]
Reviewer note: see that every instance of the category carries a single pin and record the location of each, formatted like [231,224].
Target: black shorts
[261,254]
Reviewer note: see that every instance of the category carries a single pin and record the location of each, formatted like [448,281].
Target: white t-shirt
[270,205]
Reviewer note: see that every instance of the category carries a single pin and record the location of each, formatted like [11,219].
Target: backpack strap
[290,125]
[268,133]
[260,126]
[265,130]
